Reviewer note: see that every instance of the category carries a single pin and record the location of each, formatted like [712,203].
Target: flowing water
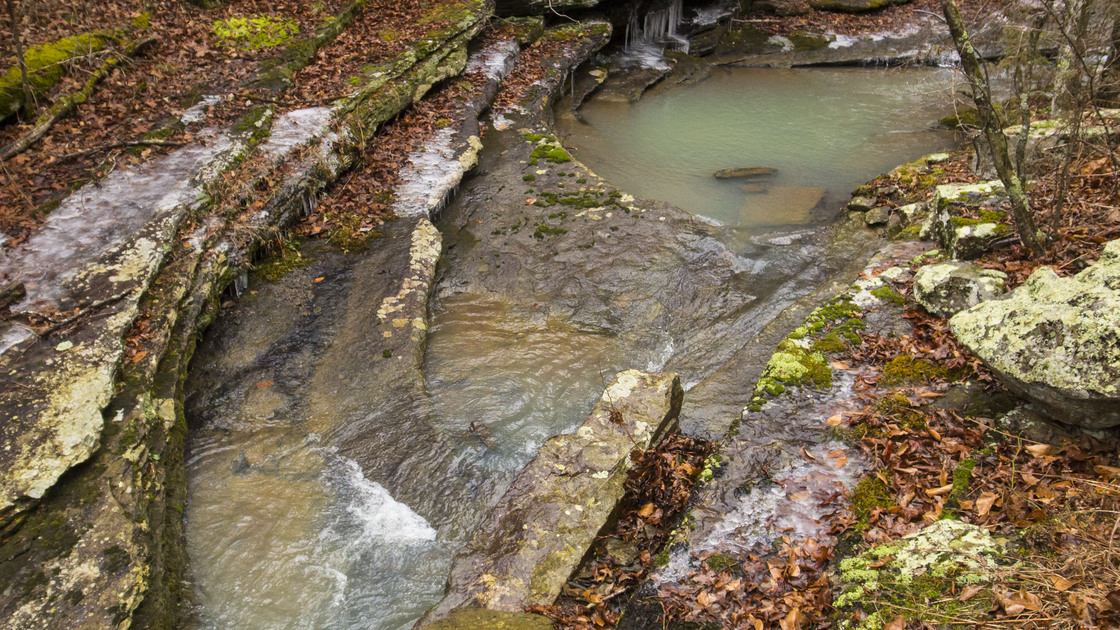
[824,130]
[330,487]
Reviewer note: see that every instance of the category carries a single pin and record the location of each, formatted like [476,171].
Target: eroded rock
[534,538]
[948,288]
[1056,341]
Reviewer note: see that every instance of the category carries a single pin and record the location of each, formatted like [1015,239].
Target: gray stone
[948,288]
[1056,341]
[751,171]
[894,225]
[860,204]
[535,537]
[878,215]
[910,212]
[960,237]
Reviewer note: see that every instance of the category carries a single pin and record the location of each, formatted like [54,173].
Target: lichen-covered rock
[948,288]
[961,237]
[945,551]
[528,546]
[879,215]
[860,204]
[1056,341]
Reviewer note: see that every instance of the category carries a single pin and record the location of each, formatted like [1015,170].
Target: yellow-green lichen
[46,65]
[255,33]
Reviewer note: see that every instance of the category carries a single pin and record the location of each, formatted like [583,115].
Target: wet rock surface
[93,478]
[1056,341]
[945,289]
[534,538]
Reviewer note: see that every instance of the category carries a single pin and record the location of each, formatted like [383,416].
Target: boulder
[876,216]
[1056,341]
[961,237]
[860,204]
[532,541]
[751,171]
[948,288]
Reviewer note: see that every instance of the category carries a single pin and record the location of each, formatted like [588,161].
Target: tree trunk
[14,19]
[1035,240]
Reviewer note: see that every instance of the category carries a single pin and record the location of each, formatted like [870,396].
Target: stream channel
[331,485]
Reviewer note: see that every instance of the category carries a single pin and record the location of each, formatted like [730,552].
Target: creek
[330,484]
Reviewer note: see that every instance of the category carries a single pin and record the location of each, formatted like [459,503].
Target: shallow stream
[329,489]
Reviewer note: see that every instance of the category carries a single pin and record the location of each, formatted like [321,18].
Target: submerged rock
[528,546]
[948,288]
[752,171]
[1056,341]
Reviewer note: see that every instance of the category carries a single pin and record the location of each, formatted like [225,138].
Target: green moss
[909,233]
[806,42]
[992,216]
[46,65]
[721,562]
[869,494]
[287,259]
[546,230]
[831,342]
[962,479]
[905,369]
[897,409]
[889,295]
[254,33]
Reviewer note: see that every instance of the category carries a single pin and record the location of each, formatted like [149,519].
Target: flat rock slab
[535,537]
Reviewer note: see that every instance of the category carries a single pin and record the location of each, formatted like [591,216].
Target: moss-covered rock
[46,65]
[1056,341]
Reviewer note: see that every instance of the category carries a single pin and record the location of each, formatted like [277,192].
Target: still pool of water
[824,130]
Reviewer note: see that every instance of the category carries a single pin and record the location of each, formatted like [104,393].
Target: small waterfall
[657,28]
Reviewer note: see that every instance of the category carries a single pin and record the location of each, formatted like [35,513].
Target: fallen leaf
[1040,450]
[936,492]
[969,592]
[984,503]
[1061,583]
